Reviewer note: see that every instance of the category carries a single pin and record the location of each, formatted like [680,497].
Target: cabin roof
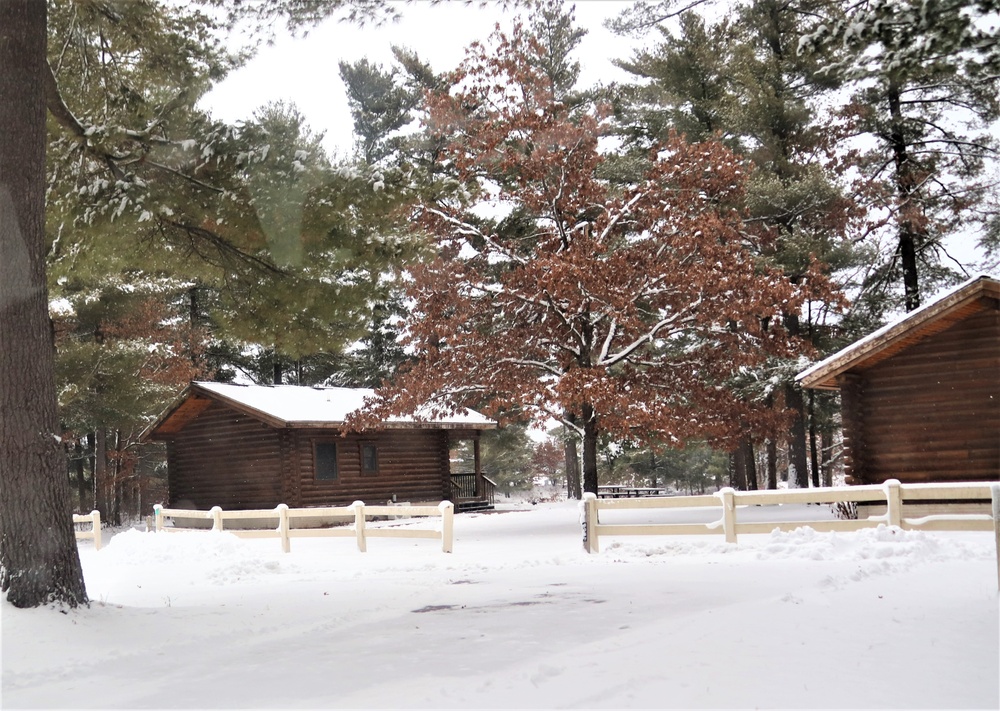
[294,406]
[973,296]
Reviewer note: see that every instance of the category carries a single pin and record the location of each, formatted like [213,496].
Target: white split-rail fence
[94,519]
[285,519]
[892,493]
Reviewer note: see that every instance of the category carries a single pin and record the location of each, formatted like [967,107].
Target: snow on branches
[632,308]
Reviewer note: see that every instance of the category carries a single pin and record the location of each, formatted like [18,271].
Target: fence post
[216,518]
[95,521]
[447,525]
[995,495]
[158,516]
[589,505]
[894,502]
[359,524]
[728,496]
[286,544]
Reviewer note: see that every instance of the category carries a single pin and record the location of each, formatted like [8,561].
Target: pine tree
[924,77]
[380,106]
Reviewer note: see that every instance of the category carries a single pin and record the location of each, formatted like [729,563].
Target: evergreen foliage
[924,81]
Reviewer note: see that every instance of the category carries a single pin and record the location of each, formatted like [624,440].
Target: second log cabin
[920,398]
[256,446]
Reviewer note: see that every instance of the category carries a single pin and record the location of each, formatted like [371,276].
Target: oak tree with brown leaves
[633,310]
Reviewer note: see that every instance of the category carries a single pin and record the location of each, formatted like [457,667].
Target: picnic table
[629,492]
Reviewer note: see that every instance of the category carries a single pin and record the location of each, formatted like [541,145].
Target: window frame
[317,443]
[362,446]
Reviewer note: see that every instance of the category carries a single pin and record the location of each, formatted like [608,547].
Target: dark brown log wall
[412,465]
[224,458]
[855,466]
[931,412]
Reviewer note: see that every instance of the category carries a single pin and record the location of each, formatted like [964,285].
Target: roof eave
[824,375]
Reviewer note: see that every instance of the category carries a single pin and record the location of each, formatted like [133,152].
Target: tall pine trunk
[813,453]
[37,544]
[772,463]
[81,482]
[797,436]
[911,229]
[797,432]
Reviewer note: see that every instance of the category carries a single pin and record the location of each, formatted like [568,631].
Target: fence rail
[285,517]
[94,519]
[893,494]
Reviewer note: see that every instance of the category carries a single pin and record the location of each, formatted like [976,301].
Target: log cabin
[256,446]
[920,398]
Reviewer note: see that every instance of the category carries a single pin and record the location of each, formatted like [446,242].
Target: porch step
[473,506]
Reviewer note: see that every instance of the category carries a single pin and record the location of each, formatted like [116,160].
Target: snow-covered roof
[297,406]
[931,318]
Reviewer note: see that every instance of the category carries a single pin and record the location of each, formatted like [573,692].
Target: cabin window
[369,458]
[325,460]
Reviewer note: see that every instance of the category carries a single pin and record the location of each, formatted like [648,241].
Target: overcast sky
[304,71]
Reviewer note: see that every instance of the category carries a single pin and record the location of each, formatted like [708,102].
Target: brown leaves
[643,303]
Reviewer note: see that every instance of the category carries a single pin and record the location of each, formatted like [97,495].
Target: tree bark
[771,453]
[813,454]
[910,227]
[81,482]
[572,469]
[572,457]
[589,449]
[796,403]
[797,436]
[772,464]
[737,468]
[749,462]
[37,544]
[101,483]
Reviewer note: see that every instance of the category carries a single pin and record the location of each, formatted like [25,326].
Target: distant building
[255,446]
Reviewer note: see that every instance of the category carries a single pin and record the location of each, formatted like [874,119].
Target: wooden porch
[470,489]
[472,492]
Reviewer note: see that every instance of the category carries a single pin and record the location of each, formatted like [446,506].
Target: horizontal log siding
[932,412]
[855,451]
[227,459]
[413,466]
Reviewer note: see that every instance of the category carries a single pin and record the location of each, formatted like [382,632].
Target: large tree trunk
[37,544]
[589,449]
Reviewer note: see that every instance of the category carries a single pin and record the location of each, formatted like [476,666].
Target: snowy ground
[520,616]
